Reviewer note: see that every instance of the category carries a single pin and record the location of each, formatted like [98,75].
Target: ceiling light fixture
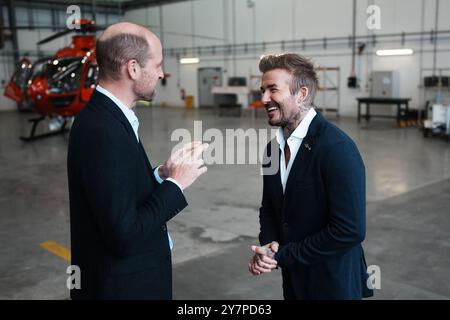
[395,52]
[189,60]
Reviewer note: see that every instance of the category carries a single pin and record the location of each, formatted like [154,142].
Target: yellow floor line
[57,249]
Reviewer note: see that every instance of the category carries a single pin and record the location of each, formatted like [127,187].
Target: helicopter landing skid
[33,136]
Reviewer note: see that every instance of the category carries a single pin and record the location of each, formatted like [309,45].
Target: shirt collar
[301,130]
[129,114]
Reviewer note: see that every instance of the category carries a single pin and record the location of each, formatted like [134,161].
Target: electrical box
[434,81]
[384,84]
[237,81]
[352,82]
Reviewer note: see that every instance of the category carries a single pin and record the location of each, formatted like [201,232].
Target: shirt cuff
[157,177]
[175,181]
[160,180]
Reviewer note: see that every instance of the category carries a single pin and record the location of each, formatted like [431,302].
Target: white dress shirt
[134,122]
[294,142]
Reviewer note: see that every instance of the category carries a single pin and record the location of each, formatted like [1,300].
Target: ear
[302,94]
[133,69]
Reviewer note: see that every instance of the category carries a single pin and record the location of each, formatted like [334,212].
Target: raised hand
[185,165]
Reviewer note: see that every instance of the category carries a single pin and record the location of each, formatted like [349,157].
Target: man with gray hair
[119,204]
[312,217]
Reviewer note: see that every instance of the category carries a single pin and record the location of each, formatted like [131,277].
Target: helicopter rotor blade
[92,28]
[84,28]
[54,36]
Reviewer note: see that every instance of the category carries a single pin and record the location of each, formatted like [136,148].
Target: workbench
[402,113]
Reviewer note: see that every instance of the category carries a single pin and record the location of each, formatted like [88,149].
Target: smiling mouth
[271,109]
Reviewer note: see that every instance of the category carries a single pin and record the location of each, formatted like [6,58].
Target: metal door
[207,78]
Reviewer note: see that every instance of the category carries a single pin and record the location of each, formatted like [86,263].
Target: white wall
[278,20]
[212,23]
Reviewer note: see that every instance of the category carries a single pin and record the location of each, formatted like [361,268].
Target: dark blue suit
[320,220]
[118,211]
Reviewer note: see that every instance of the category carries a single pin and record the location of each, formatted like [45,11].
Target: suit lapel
[105,103]
[305,152]
[278,185]
[272,157]
[101,100]
[301,162]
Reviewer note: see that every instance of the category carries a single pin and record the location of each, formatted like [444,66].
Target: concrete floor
[408,220]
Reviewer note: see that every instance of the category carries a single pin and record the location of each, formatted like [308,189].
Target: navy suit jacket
[118,211]
[320,220]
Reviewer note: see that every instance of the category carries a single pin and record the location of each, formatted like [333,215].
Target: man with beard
[312,217]
[119,204]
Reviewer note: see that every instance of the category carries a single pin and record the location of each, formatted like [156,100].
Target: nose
[161,74]
[266,97]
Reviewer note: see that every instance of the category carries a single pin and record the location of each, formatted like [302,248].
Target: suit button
[164,228]
[285,225]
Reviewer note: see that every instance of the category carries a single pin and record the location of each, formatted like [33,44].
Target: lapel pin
[307,146]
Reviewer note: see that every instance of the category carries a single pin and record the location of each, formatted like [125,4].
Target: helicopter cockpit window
[38,68]
[22,74]
[64,75]
[92,76]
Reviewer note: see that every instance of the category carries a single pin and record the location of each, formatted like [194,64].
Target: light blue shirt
[134,122]
[294,142]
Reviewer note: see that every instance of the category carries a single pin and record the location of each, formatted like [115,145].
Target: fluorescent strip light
[189,60]
[395,52]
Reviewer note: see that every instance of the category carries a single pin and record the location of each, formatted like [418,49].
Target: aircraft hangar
[357,91]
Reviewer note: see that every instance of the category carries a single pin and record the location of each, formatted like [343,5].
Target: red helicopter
[60,86]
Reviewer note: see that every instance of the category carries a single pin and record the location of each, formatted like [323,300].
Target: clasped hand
[263,259]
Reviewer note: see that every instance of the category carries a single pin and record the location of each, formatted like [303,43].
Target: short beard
[145,96]
[283,123]
[141,91]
